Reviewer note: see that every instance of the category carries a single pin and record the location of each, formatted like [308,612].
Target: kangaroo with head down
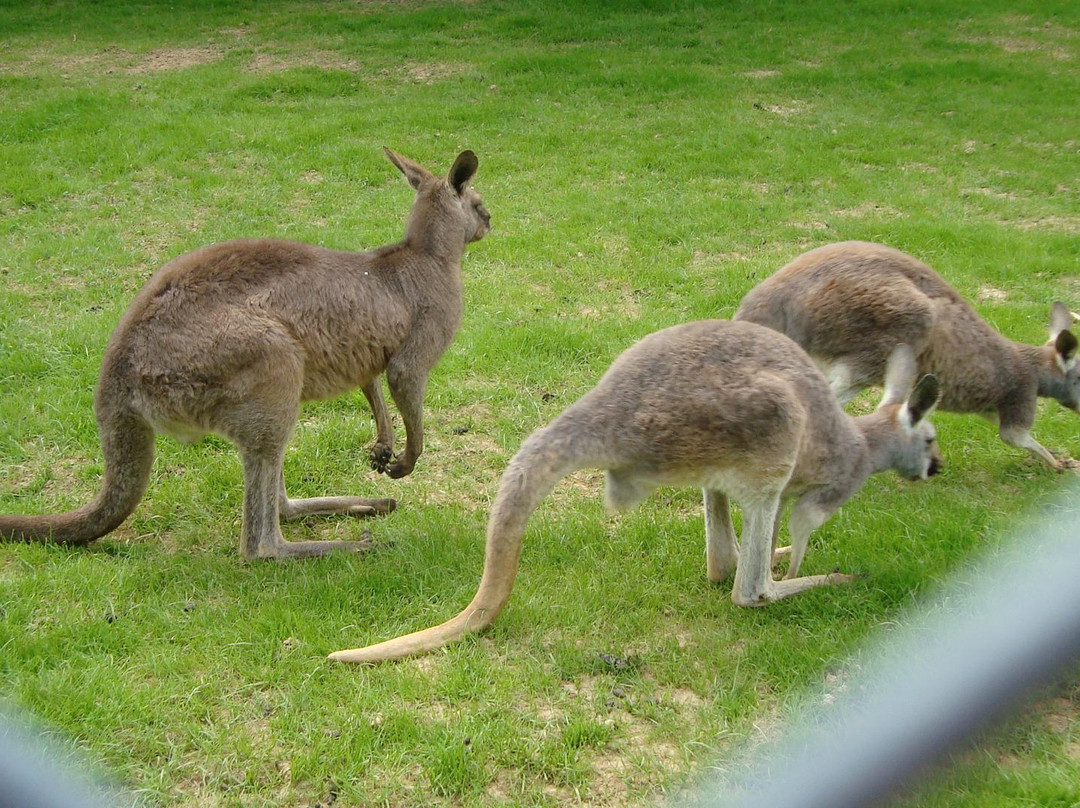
[849,304]
[230,338]
[734,408]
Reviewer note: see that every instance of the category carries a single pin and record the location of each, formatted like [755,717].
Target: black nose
[935,467]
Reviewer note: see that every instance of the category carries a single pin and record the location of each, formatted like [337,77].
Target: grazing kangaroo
[732,407]
[849,304]
[231,338]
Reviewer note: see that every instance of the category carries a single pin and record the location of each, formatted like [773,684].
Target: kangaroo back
[850,304]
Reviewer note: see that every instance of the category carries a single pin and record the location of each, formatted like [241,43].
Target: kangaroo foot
[314,549]
[347,506]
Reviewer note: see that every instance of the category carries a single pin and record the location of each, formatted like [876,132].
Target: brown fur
[731,407]
[849,304]
[230,338]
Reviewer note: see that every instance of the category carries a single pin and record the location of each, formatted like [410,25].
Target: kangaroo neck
[430,239]
[1037,360]
[876,430]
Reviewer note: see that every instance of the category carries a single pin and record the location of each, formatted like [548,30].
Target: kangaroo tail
[543,460]
[128,444]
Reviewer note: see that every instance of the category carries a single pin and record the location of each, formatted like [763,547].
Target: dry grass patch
[788,109]
[994,194]
[423,72]
[114,59]
[1059,224]
[869,209]
[989,293]
[175,59]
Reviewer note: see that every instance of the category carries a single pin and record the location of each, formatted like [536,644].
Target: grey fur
[733,408]
[230,338]
[849,304]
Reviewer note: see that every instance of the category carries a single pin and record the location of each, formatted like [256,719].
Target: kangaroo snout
[935,466]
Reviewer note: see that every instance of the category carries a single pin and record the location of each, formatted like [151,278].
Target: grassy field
[645,164]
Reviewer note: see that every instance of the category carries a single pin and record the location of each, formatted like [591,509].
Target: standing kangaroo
[732,407]
[849,304]
[231,338]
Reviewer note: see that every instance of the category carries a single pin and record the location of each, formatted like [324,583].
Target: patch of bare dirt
[987,293]
[237,31]
[423,72]
[789,109]
[1025,44]
[869,209]
[994,194]
[62,475]
[175,59]
[624,306]
[1061,224]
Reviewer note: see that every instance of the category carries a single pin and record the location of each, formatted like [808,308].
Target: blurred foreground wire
[932,683]
[32,775]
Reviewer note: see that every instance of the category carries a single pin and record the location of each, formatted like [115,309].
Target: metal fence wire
[992,638]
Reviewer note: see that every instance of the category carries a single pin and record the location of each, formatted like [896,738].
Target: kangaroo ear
[463,170]
[1065,344]
[900,375]
[414,172]
[1060,319]
[923,398]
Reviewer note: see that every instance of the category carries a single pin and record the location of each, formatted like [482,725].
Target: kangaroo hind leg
[260,422]
[754,585]
[721,546]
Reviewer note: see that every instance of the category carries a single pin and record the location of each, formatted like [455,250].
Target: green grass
[644,164]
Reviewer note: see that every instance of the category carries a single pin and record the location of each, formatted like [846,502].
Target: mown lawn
[645,164]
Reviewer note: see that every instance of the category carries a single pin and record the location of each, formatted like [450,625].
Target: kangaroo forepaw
[380,457]
[400,467]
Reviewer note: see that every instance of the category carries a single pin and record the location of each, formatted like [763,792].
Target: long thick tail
[542,461]
[128,444]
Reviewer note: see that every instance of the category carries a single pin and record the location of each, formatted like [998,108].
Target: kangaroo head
[908,404]
[1062,381]
[447,211]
